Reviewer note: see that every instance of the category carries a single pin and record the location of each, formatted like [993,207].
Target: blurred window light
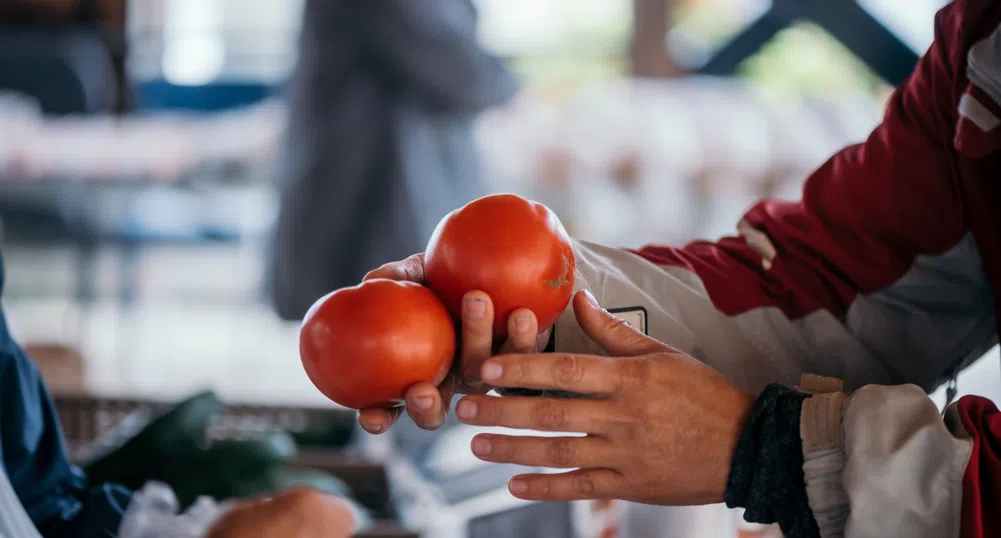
[193,60]
[913,21]
[700,27]
[530,27]
[197,42]
[557,44]
[194,51]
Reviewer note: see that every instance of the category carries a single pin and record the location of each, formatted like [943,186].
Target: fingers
[584,374]
[759,242]
[585,484]
[377,420]
[540,414]
[615,336]
[426,406]
[554,452]
[477,333]
[522,332]
[411,269]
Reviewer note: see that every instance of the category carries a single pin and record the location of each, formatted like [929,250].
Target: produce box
[95,427]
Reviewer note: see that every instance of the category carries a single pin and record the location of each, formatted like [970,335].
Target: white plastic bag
[154,513]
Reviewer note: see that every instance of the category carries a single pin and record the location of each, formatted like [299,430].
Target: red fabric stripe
[865,215]
[982,481]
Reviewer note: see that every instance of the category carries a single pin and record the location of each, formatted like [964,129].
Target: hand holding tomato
[365,345]
[428,404]
[498,252]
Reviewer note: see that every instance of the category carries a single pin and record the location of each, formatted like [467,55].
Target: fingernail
[374,428]
[423,402]
[466,410]
[517,487]
[491,371]
[521,323]
[475,308]
[481,446]
[591,299]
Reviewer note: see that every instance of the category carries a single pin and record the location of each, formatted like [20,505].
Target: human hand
[298,513]
[661,426]
[427,404]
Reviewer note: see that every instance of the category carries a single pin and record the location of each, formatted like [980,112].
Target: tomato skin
[513,249]
[364,346]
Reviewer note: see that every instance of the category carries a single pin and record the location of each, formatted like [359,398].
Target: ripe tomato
[364,346]
[514,250]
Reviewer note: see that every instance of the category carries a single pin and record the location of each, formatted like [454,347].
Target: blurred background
[179,179]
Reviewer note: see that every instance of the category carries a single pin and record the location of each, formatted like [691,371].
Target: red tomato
[514,250]
[364,346]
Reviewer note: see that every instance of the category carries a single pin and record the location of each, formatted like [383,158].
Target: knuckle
[583,485]
[561,453]
[514,370]
[620,325]
[567,371]
[634,372]
[550,415]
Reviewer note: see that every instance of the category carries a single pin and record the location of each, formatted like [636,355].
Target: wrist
[741,414]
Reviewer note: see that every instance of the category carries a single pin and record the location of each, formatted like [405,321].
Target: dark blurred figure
[48,11]
[67,54]
[380,142]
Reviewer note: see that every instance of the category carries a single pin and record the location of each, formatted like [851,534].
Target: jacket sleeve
[432,45]
[54,493]
[873,277]
[883,462]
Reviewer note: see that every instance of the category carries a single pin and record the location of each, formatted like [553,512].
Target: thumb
[615,336]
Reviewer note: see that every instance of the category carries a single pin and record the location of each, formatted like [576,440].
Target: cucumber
[230,469]
[149,454]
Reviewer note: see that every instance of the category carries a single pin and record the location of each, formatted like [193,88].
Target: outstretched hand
[661,426]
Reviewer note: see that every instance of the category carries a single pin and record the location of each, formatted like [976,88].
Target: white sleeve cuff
[824,461]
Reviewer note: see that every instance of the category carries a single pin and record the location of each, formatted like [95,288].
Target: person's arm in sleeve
[433,47]
[54,494]
[882,462]
[873,277]
[877,462]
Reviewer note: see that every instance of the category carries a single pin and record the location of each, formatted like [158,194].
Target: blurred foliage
[807,60]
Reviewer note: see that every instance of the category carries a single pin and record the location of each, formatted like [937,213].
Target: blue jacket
[53,492]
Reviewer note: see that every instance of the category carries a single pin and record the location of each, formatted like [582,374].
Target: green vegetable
[150,454]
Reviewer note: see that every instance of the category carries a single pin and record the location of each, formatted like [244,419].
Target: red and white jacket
[885,276]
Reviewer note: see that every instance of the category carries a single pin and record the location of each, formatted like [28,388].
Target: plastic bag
[155,513]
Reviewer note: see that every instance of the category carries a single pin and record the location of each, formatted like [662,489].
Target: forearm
[753,348]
